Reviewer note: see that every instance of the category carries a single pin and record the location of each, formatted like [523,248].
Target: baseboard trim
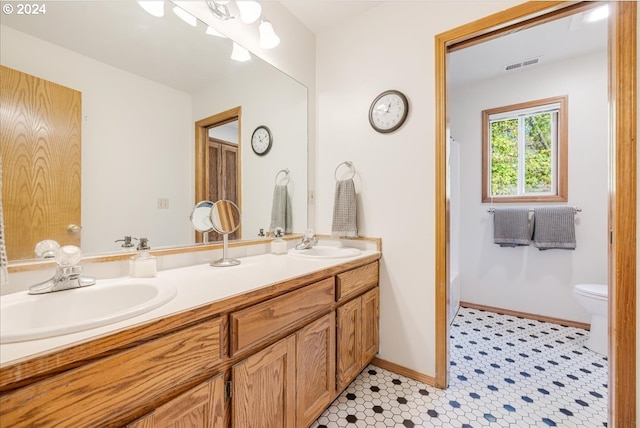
[404,371]
[584,326]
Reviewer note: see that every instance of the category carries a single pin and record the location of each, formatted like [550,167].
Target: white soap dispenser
[143,264]
[278,245]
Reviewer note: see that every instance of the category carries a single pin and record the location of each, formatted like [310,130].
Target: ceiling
[550,42]
[131,47]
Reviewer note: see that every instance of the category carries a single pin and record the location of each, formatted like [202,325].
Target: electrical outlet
[163,203]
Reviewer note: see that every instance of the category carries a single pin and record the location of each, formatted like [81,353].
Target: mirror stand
[224,261]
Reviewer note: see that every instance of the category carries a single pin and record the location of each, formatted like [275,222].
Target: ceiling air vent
[521,64]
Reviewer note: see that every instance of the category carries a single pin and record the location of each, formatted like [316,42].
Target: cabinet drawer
[353,282]
[108,391]
[259,323]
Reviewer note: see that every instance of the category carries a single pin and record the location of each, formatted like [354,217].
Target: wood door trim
[202,157]
[622,186]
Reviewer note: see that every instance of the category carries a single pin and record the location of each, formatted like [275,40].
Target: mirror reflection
[225,218]
[140,93]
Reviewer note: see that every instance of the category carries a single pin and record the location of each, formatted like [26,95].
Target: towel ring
[350,165]
[286,173]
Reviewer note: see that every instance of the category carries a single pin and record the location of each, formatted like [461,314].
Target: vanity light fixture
[185,16]
[268,37]
[219,9]
[153,7]
[239,53]
[250,11]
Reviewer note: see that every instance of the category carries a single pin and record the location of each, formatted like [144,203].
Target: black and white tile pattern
[505,372]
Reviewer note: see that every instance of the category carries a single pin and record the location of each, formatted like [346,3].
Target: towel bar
[286,173]
[350,165]
[576,210]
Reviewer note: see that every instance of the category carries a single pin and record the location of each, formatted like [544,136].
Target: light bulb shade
[268,37]
[250,11]
[185,16]
[239,53]
[213,32]
[153,7]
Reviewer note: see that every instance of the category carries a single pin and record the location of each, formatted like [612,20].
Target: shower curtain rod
[575,209]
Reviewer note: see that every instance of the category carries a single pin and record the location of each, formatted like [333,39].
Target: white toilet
[594,298]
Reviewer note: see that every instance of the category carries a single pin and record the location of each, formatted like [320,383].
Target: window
[524,154]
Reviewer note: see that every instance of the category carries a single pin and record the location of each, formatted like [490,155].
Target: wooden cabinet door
[200,407]
[264,388]
[315,361]
[370,325]
[349,342]
[40,146]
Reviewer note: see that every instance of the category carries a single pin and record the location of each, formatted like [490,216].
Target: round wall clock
[388,111]
[261,140]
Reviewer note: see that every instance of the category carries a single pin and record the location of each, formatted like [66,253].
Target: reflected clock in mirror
[225,218]
[142,92]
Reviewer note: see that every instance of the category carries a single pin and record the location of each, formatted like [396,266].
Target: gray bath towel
[511,227]
[344,210]
[281,209]
[554,227]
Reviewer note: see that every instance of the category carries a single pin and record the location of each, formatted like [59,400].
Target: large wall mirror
[145,82]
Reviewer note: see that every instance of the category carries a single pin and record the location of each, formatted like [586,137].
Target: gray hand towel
[511,227]
[281,209]
[554,227]
[344,210]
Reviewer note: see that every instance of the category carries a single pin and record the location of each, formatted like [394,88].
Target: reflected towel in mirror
[281,209]
[344,210]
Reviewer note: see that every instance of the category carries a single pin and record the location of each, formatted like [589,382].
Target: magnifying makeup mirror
[225,219]
[201,219]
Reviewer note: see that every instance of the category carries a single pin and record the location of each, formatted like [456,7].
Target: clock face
[388,111]
[261,140]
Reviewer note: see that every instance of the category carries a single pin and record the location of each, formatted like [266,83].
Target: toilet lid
[599,290]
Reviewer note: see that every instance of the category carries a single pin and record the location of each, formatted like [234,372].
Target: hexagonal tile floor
[506,371]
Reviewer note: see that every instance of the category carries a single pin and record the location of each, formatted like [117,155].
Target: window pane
[504,157]
[537,156]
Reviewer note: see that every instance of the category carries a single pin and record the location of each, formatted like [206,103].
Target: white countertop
[197,285]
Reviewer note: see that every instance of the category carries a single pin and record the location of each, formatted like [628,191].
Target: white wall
[391,46]
[524,278]
[133,131]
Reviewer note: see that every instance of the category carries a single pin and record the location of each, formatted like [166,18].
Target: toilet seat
[598,291]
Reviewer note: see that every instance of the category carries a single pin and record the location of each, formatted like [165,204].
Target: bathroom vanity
[275,355]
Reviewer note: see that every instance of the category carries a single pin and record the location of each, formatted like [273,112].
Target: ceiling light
[219,9]
[153,7]
[213,32]
[250,11]
[268,37]
[597,14]
[239,53]
[185,16]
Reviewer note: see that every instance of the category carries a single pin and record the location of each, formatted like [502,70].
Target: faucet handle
[309,233]
[68,255]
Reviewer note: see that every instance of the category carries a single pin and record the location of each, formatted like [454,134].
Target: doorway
[218,163]
[622,185]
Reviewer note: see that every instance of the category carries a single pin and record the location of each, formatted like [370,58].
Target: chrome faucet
[308,240]
[68,273]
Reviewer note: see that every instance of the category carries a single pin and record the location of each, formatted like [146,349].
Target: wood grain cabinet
[357,336]
[201,407]
[316,368]
[264,388]
[275,361]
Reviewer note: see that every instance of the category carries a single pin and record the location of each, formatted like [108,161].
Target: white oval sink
[28,317]
[325,252]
